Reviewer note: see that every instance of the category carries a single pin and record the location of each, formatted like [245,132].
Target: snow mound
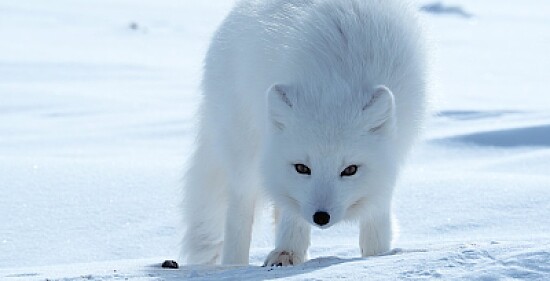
[509,137]
[527,136]
[473,261]
[442,9]
[472,114]
[493,128]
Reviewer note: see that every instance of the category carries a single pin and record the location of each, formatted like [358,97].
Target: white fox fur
[324,83]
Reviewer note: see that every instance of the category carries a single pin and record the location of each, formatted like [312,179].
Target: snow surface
[97,102]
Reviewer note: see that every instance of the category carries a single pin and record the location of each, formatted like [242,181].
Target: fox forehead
[318,149]
[328,135]
[330,110]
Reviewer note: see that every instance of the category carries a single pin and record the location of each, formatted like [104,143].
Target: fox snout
[321,218]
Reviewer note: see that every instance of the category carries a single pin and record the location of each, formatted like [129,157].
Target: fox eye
[349,171]
[302,169]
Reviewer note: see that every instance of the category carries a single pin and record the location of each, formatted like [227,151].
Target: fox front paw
[283,258]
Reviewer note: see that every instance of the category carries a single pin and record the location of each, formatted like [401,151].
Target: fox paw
[283,258]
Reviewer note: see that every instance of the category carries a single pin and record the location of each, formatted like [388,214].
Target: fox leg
[376,232]
[203,210]
[238,228]
[292,241]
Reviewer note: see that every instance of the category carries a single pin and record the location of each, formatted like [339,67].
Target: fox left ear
[379,109]
[280,102]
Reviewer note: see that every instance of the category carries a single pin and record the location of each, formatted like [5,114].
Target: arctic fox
[314,103]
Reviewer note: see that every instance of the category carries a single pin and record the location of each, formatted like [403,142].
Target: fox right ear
[379,109]
[280,101]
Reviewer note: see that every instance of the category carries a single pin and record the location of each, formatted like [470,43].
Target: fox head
[328,153]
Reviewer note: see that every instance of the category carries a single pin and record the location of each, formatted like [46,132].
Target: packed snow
[97,103]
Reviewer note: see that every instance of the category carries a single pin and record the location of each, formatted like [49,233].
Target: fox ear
[280,101]
[379,109]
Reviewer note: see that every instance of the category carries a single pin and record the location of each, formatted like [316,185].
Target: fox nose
[321,218]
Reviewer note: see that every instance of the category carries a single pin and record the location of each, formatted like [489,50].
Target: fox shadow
[245,272]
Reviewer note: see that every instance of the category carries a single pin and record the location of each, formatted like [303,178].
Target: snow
[97,102]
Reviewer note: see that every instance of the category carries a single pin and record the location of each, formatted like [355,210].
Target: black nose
[321,218]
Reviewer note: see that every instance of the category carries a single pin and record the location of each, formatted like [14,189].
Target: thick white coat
[324,83]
